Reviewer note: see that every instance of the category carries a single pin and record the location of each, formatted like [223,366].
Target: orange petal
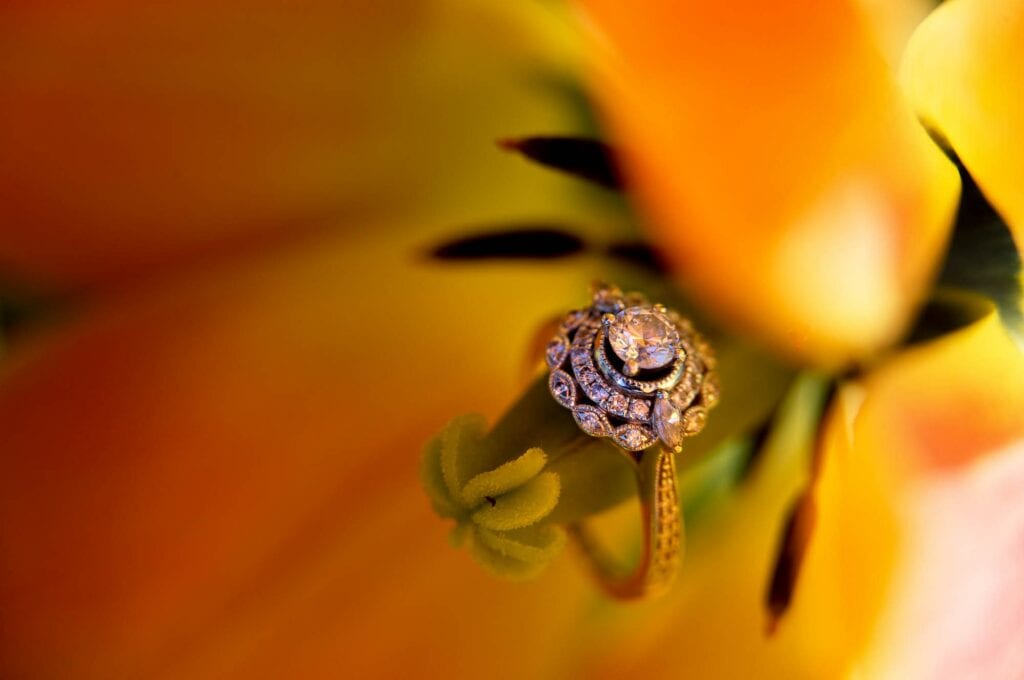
[910,558]
[137,136]
[779,164]
[962,71]
[221,473]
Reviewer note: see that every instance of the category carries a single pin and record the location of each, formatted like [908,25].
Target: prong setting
[632,371]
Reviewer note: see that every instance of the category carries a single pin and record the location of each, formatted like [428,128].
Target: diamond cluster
[632,371]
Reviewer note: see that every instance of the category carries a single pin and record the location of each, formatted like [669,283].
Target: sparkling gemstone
[645,336]
[591,420]
[598,392]
[617,404]
[562,388]
[639,409]
[632,437]
[556,352]
[668,422]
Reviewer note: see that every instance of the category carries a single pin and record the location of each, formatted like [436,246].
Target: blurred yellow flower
[209,450]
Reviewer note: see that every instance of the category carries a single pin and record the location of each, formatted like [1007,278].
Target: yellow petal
[778,164]
[946,421]
[132,137]
[962,71]
[222,469]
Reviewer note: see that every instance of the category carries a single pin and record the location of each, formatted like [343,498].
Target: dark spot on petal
[792,548]
[512,242]
[490,500]
[641,255]
[758,439]
[797,532]
[589,159]
[23,310]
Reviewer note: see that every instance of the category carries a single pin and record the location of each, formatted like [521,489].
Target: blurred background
[254,255]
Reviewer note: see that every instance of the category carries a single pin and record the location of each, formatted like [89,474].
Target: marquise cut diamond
[668,422]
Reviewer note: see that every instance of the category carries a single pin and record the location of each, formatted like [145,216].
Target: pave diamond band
[635,373]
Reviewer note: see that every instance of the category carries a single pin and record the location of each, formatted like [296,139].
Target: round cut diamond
[633,437]
[617,404]
[643,336]
[598,392]
[639,409]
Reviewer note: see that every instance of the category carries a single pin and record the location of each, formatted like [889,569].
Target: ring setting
[636,373]
[632,371]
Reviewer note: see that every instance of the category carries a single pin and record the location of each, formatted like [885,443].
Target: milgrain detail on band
[659,560]
[710,390]
[666,526]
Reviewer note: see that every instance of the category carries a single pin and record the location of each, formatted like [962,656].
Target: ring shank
[661,550]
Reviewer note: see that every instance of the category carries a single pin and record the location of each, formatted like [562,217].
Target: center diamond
[643,338]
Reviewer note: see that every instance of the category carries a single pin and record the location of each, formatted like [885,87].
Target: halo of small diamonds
[632,371]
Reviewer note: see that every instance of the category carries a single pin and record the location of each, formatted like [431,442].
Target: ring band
[661,551]
[635,373]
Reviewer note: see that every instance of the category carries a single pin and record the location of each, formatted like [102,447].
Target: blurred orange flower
[208,452]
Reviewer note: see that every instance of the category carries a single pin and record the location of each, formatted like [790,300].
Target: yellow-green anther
[531,544]
[499,512]
[460,443]
[504,478]
[504,566]
[433,480]
[522,506]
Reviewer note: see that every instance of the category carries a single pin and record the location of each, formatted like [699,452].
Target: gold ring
[640,375]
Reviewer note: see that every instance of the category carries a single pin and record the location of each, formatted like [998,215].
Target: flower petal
[217,471]
[962,71]
[779,164]
[945,423]
[136,136]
